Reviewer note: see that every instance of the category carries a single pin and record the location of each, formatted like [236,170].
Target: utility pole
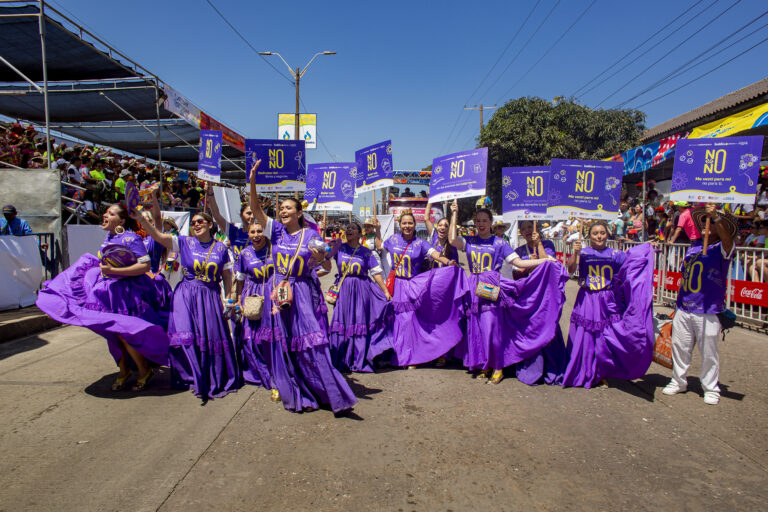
[480,108]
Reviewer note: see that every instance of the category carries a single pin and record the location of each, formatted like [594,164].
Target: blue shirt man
[10,224]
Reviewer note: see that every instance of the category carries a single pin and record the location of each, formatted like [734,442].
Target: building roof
[730,103]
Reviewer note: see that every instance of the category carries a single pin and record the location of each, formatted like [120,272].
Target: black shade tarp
[67,56]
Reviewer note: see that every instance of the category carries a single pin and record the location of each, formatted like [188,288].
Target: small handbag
[332,295]
[253,305]
[393,272]
[487,291]
[283,291]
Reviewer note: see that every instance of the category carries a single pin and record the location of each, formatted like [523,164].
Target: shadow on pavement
[12,348]
[159,386]
[361,392]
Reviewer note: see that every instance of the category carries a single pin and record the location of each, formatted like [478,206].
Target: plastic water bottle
[319,244]
[228,307]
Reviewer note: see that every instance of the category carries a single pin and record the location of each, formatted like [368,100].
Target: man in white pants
[700,299]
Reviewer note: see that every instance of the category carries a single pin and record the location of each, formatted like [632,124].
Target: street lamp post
[296,80]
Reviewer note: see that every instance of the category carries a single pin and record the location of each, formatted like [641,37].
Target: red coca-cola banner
[562,257]
[672,280]
[231,137]
[749,292]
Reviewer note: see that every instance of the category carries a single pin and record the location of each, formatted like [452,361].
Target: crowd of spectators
[93,177]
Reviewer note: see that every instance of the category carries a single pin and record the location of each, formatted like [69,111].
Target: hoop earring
[119,230]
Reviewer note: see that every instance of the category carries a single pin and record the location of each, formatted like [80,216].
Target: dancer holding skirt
[202,354]
[299,320]
[611,333]
[548,365]
[361,326]
[253,273]
[429,307]
[114,297]
[509,321]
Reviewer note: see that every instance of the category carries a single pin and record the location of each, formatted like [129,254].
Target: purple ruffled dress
[361,326]
[548,365]
[255,269]
[129,307]
[611,333]
[522,322]
[429,307]
[306,377]
[202,353]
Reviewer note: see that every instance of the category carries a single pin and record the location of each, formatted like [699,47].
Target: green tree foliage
[532,131]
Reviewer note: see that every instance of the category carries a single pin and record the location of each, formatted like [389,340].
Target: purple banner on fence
[525,193]
[585,188]
[722,170]
[282,167]
[330,187]
[209,161]
[373,167]
[458,175]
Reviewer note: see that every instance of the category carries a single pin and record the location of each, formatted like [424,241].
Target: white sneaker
[711,397]
[673,388]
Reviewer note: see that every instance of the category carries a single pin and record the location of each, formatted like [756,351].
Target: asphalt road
[425,439]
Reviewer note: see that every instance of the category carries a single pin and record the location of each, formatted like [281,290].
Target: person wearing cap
[500,228]
[685,223]
[700,299]
[11,224]
[120,183]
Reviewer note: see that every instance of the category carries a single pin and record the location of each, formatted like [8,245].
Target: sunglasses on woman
[195,222]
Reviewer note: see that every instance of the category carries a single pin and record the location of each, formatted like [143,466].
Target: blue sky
[404,70]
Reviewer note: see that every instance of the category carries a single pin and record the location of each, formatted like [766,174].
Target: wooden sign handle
[706,236]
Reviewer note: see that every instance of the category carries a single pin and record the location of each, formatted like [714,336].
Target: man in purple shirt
[700,299]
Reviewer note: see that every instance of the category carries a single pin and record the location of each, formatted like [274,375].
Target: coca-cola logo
[751,293]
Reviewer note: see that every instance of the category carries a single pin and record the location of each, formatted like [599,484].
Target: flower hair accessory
[407,211]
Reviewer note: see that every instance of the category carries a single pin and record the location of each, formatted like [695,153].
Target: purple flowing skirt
[301,365]
[520,324]
[429,315]
[611,333]
[253,359]
[202,354]
[547,366]
[360,326]
[128,307]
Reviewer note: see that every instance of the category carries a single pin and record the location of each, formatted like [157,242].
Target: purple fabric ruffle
[130,308]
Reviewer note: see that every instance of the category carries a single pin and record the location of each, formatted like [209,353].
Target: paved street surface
[425,439]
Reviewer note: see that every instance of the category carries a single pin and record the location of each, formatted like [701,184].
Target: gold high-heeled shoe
[441,362]
[143,382]
[275,396]
[497,377]
[120,382]
[482,374]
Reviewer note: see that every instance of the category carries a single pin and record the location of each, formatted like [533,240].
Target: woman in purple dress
[120,303]
[438,237]
[362,316]
[548,365]
[611,333]
[300,326]
[253,272]
[202,354]
[429,306]
[522,320]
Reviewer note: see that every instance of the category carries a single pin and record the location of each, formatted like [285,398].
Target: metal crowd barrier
[50,254]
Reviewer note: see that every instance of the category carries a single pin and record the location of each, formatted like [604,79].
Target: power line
[455,124]
[248,43]
[698,31]
[625,66]
[523,47]
[689,65]
[321,141]
[630,52]
[520,79]
[501,55]
[708,72]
